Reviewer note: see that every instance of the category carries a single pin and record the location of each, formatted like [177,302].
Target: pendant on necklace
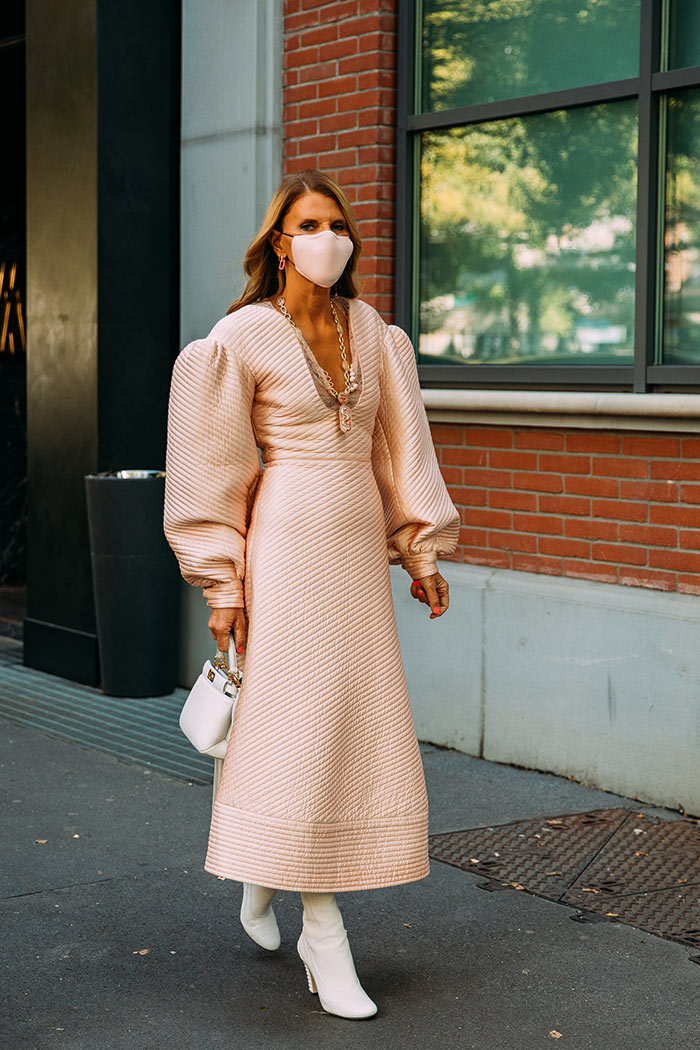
[345,418]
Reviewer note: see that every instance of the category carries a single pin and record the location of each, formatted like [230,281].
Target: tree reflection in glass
[485,50]
[527,248]
[682,235]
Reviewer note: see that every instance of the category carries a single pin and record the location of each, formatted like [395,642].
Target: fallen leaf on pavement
[141,951]
[554,1034]
[40,842]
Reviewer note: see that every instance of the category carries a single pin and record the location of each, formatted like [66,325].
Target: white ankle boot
[257,917]
[324,949]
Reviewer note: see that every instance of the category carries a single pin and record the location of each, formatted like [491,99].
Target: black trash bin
[136,582]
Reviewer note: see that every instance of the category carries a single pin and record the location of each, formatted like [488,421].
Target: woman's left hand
[433,591]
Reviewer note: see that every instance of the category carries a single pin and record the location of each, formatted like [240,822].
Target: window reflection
[528,239]
[684,34]
[682,233]
[486,50]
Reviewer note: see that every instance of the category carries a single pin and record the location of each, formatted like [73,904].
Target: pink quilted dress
[322,788]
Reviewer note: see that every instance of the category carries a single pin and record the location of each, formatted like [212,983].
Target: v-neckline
[315,368]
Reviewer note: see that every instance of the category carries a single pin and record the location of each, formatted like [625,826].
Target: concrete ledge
[586,410]
[591,680]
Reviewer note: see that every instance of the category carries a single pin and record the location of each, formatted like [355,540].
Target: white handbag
[207,714]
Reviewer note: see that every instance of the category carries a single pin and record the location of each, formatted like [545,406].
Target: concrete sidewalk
[114,937]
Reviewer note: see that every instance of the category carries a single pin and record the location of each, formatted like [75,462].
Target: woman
[322,789]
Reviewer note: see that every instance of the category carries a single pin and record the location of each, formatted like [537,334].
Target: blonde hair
[261,264]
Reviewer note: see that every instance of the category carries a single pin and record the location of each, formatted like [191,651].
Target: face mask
[321,257]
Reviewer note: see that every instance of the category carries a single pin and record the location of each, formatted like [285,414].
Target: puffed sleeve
[211,469]
[421,520]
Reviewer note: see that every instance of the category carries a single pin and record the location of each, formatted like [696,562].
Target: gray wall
[231,163]
[590,680]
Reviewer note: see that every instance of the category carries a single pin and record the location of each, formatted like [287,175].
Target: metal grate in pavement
[135,730]
[616,863]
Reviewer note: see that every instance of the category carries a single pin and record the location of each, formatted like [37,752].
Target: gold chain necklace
[344,412]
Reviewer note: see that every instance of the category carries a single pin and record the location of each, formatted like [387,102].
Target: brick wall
[616,507]
[339,97]
[619,508]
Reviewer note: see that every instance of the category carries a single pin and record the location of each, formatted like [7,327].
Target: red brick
[488,519]
[513,500]
[650,445]
[652,535]
[535,563]
[689,493]
[554,545]
[688,539]
[469,497]
[299,21]
[678,561]
[539,439]
[337,86]
[446,435]
[619,467]
[468,457]
[585,441]
[452,476]
[684,470]
[367,60]
[488,437]
[625,511]
[341,48]
[538,523]
[300,93]
[660,514]
[583,486]
[590,570]
[316,107]
[688,584]
[564,504]
[472,537]
[565,464]
[656,491]
[510,460]
[691,448]
[592,530]
[483,556]
[538,482]
[463,457]
[497,479]
[323,35]
[336,121]
[307,56]
[623,554]
[659,581]
[513,541]
[297,129]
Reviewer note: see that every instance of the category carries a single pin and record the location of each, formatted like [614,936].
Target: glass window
[684,35]
[477,51]
[681,325]
[527,241]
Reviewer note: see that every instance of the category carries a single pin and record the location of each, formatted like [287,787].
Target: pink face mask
[321,257]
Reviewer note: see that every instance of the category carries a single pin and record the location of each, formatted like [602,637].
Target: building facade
[525,180]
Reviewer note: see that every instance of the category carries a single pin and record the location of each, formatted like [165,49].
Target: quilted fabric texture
[322,788]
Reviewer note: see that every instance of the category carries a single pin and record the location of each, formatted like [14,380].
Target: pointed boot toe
[331,973]
[262,929]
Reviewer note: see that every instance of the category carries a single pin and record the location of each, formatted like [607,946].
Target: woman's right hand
[223,623]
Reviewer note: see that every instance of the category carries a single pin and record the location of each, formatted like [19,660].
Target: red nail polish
[436,608]
[239,649]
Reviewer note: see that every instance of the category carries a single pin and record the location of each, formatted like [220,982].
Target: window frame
[650,88]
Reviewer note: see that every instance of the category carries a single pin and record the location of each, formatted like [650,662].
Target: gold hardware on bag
[221,664]
[211,676]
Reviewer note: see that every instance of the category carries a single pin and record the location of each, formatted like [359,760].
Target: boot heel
[309,977]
